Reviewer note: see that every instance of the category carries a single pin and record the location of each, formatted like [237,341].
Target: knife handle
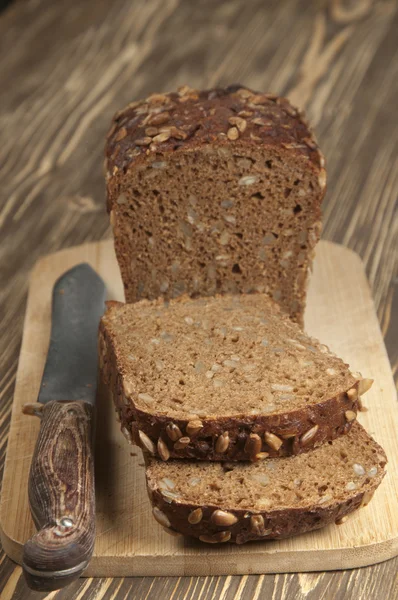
[61,497]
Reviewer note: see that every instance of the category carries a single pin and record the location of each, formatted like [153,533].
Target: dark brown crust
[329,416]
[202,117]
[282,523]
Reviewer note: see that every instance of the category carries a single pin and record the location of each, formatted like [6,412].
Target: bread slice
[223,378]
[214,191]
[238,502]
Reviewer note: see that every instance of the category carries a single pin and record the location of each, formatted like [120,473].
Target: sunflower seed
[322,179]
[372,472]
[273,441]
[163,450]
[217,538]
[188,320]
[223,518]
[279,387]
[146,398]
[127,434]
[248,180]
[351,486]
[169,496]
[309,435]
[358,469]
[364,386]
[160,517]
[146,442]
[195,516]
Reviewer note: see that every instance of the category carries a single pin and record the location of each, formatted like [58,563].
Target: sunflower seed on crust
[309,435]
[195,516]
[160,517]
[364,386]
[217,538]
[146,442]
[273,441]
[223,518]
[163,450]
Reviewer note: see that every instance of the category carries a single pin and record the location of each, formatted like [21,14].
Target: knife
[61,478]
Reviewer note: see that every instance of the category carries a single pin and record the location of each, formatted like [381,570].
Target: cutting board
[129,541]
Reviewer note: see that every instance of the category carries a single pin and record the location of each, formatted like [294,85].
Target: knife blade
[61,478]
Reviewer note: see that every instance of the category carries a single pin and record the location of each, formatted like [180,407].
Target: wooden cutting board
[129,541]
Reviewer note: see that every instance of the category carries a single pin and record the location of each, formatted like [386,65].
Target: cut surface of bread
[214,191]
[223,378]
[238,502]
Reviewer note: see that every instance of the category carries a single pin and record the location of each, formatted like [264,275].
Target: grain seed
[173,431]
[182,443]
[253,445]
[194,426]
[222,443]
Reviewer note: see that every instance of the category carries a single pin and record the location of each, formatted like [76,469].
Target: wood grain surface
[66,66]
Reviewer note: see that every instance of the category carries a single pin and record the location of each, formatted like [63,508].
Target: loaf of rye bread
[224,378]
[275,498]
[215,191]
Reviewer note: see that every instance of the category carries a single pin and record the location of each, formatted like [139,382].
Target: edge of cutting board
[189,557]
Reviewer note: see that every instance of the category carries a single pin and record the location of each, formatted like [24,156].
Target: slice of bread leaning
[275,498]
[223,378]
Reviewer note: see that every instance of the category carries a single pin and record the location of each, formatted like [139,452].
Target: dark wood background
[67,65]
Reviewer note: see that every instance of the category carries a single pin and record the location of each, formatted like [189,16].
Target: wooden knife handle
[61,497]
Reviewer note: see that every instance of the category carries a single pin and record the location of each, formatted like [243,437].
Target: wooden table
[68,65]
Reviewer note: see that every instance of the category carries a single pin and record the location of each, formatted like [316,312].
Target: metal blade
[70,372]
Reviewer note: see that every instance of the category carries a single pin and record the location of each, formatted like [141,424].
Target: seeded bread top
[221,356]
[331,473]
[190,118]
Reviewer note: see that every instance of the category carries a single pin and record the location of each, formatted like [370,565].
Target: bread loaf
[278,498]
[214,191]
[223,378]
